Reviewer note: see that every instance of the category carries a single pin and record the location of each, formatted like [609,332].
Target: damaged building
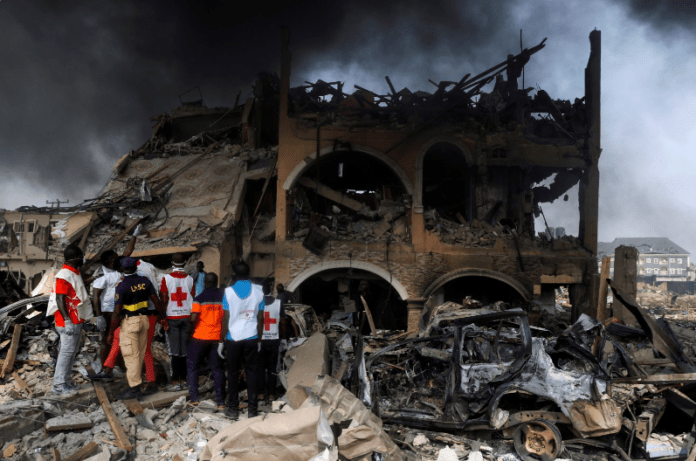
[361,199]
[435,194]
[483,335]
[25,250]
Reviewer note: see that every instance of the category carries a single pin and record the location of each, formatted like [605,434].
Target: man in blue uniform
[130,311]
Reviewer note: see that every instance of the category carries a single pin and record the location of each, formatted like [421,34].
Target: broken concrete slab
[69,423]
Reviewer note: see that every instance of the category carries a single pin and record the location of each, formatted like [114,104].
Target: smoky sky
[79,80]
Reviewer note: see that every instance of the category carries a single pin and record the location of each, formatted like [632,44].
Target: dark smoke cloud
[666,15]
[80,79]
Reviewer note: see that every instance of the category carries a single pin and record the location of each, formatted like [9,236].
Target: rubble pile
[451,103]
[483,234]
[475,382]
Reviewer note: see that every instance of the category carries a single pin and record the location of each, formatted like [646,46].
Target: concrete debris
[420,440]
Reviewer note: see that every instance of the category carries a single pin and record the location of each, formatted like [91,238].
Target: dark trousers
[237,352]
[177,346]
[269,363]
[199,349]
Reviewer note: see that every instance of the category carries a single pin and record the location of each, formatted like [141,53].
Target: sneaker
[101,375]
[184,385]
[232,413]
[71,385]
[63,391]
[130,393]
[173,388]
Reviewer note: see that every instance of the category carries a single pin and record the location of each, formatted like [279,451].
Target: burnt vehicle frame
[481,366]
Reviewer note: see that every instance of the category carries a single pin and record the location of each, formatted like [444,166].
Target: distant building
[659,257]
[26,250]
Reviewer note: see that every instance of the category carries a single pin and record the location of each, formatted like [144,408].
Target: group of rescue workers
[239,325]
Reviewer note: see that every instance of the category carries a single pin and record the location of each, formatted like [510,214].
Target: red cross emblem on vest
[268,321]
[179,296]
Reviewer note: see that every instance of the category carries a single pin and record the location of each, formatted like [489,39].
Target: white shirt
[149,271]
[243,310]
[107,283]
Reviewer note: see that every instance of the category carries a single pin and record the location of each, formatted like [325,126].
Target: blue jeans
[66,356]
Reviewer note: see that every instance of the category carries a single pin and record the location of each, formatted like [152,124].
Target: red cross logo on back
[179,296]
[268,321]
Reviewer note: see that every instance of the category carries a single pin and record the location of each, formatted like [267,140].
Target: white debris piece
[420,440]
[447,454]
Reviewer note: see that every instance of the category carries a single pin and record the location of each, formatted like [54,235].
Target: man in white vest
[177,293]
[273,317]
[242,326]
[70,304]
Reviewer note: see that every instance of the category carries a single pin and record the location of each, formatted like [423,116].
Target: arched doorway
[482,285]
[351,194]
[339,285]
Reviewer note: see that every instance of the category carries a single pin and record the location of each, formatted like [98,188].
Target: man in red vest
[177,293]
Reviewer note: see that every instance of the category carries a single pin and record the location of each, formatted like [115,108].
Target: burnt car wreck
[487,369]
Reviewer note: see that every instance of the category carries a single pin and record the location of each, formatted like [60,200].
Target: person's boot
[151,388]
[131,393]
[232,413]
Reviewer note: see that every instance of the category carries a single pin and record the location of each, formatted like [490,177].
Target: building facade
[659,258]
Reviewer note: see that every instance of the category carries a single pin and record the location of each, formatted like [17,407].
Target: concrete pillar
[625,278]
[415,310]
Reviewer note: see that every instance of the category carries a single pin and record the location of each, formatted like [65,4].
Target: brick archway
[514,284]
[420,160]
[348,264]
[308,161]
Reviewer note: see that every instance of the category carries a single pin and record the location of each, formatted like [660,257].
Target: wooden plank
[112,243]
[265,187]
[12,353]
[84,452]
[676,378]
[114,422]
[134,406]
[369,316]
[56,454]
[602,302]
[22,384]
[92,222]
[333,195]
